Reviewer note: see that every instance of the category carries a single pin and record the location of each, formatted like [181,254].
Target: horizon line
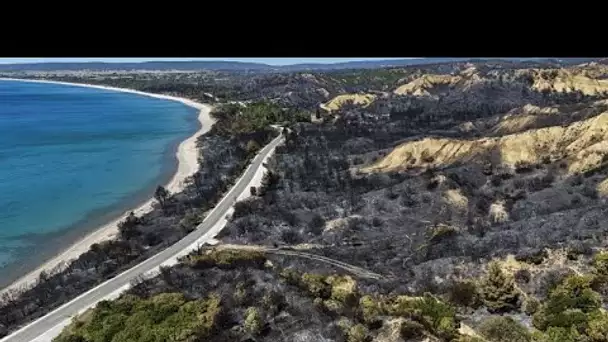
[271,61]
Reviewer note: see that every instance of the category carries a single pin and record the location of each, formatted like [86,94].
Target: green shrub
[343,289]
[290,276]
[357,333]
[467,338]
[550,279]
[70,338]
[234,119]
[597,328]
[531,306]
[240,293]
[600,264]
[315,284]
[446,328]
[567,318]
[558,334]
[163,317]
[334,307]
[504,329]
[253,321]
[370,309]
[344,323]
[569,305]
[574,293]
[498,290]
[436,316]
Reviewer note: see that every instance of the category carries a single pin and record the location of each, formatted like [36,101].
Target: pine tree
[161,195]
[498,290]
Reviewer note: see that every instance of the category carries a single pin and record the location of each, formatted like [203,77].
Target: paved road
[47,327]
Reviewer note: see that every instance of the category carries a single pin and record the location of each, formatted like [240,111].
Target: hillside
[579,146]
[429,85]
[459,201]
[340,101]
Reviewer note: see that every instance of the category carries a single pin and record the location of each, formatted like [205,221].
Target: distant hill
[370,64]
[256,67]
[219,65]
[99,66]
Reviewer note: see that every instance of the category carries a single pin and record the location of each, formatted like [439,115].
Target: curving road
[50,325]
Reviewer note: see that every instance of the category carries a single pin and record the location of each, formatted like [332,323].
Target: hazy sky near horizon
[267,60]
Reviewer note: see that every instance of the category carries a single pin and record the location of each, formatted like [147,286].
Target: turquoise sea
[73,158]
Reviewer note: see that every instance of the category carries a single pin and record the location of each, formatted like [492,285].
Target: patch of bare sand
[427,85]
[337,102]
[602,188]
[456,199]
[567,82]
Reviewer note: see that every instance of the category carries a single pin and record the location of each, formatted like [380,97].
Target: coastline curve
[187,164]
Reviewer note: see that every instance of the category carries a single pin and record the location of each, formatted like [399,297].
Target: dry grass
[390,330]
[468,331]
[339,223]
[456,199]
[602,188]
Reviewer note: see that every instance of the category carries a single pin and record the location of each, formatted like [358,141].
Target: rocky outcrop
[340,101]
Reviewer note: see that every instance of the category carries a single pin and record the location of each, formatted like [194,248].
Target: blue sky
[271,61]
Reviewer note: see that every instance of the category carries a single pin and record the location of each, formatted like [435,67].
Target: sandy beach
[187,156]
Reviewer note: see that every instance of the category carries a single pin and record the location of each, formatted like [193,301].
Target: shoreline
[187,164]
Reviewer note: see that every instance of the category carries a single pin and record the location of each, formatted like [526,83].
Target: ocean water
[72,158]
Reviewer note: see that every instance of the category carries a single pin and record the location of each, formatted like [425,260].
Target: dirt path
[358,271]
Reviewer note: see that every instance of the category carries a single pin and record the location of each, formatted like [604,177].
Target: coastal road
[49,326]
